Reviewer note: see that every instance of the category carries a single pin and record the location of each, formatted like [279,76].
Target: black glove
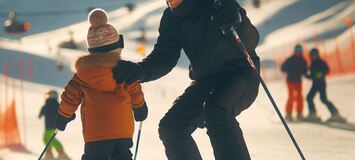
[62,121]
[126,71]
[141,113]
[226,15]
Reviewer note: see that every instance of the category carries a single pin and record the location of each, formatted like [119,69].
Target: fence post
[22,77]
[6,74]
[30,68]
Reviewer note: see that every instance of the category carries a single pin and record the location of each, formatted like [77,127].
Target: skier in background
[295,67]
[223,84]
[318,70]
[106,109]
[50,111]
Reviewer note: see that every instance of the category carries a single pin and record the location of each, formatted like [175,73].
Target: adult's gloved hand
[128,72]
[61,122]
[141,113]
[226,15]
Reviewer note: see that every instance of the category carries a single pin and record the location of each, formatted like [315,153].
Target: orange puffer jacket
[106,110]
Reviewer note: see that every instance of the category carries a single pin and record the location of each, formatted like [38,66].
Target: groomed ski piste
[264,134]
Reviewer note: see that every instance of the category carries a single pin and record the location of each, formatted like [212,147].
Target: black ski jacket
[50,111]
[190,27]
[319,68]
[294,67]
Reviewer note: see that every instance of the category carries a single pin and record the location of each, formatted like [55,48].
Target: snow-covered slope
[265,136]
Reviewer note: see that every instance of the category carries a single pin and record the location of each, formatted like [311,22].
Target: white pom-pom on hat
[98,17]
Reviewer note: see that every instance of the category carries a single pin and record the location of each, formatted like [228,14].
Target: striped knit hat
[102,36]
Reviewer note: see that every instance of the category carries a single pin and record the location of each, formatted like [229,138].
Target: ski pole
[138,138]
[252,65]
[50,141]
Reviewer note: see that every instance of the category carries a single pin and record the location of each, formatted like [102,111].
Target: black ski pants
[114,149]
[216,101]
[319,86]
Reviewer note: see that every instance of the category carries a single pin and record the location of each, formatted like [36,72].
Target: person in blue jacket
[318,70]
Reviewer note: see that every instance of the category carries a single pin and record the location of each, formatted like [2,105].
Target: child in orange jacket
[106,107]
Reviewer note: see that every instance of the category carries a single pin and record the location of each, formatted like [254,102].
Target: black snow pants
[113,149]
[319,86]
[216,101]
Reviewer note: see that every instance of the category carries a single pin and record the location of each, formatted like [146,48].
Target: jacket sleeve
[326,69]
[71,98]
[284,66]
[136,94]
[305,68]
[41,113]
[166,51]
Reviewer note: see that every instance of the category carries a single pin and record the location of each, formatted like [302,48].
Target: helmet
[52,94]
[314,52]
[298,48]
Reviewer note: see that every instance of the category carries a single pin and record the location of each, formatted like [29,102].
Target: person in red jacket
[295,67]
[106,107]
[319,69]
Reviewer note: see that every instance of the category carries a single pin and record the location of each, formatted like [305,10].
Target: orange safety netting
[2,127]
[342,60]
[9,132]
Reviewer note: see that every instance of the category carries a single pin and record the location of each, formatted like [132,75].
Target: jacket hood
[95,70]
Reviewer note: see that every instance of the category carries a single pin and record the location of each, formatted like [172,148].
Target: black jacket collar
[187,8]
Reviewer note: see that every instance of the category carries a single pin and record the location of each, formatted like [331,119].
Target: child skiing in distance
[319,69]
[50,111]
[106,110]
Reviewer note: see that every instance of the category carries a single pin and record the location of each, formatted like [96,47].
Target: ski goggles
[109,47]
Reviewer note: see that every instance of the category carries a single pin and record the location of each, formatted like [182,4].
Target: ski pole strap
[50,141]
[242,47]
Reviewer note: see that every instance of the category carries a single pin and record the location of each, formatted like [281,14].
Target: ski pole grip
[242,47]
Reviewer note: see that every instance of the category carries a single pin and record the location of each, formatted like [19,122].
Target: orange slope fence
[12,134]
[9,130]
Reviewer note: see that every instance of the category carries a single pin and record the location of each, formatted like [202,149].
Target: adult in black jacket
[223,86]
[319,69]
[295,67]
